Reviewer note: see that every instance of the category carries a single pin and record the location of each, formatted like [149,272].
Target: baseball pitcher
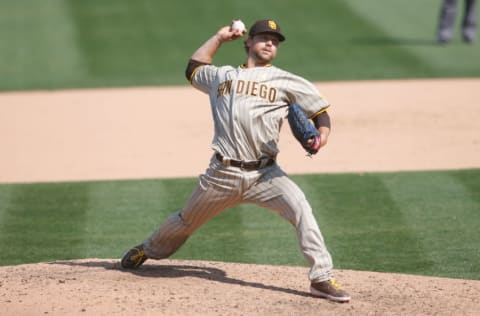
[248,105]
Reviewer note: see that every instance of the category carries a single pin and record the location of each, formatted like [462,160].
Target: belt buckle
[226,162]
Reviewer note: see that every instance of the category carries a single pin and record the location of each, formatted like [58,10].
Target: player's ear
[247,43]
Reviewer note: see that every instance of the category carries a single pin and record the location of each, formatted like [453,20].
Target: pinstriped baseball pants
[223,187]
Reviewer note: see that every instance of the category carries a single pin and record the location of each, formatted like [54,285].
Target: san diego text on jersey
[247,87]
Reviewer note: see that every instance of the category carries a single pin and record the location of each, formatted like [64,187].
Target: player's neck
[252,64]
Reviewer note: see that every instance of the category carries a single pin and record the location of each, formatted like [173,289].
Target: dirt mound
[173,287]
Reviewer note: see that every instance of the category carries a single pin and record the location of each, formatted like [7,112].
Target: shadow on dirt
[180,271]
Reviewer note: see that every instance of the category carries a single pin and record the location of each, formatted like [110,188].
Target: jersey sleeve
[203,77]
[306,94]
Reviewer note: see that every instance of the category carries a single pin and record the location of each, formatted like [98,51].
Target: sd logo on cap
[266,26]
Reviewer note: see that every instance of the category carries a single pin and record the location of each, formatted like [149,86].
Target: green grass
[56,44]
[419,222]
[414,222]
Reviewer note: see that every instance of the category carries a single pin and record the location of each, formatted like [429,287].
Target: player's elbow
[324,134]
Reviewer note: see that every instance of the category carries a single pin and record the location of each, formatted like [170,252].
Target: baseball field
[101,139]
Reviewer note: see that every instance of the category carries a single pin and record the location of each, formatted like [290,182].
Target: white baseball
[238,25]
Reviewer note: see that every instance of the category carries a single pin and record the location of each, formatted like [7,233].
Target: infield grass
[56,44]
[414,222]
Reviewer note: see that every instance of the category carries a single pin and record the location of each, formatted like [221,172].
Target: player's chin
[266,57]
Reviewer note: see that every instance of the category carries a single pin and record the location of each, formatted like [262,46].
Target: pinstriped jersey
[249,104]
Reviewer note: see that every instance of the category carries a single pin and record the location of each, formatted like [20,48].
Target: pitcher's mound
[175,287]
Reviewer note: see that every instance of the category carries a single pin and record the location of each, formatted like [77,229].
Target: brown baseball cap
[266,26]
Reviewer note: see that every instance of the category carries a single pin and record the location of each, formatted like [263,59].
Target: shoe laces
[138,255]
[334,283]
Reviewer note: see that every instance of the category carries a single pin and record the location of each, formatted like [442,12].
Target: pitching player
[248,105]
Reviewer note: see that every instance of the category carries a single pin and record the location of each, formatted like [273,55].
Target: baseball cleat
[330,290]
[133,258]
